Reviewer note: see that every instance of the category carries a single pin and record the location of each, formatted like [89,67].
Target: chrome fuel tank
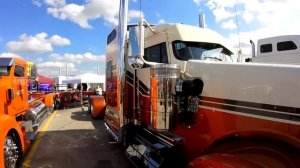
[163,81]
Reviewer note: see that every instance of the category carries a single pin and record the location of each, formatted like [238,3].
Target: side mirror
[136,46]
[32,71]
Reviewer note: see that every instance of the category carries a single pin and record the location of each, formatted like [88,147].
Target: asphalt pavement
[72,139]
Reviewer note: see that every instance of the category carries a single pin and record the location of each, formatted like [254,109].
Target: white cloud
[265,18]
[132,14]
[37,3]
[92,9]
[80,14]
[71,12]
[268,13]
[221,13]
[230,24]
[55,65]
[59,41]
[77,58]
[161,21]
[39,59]
[52,68]
[248,16]
[212,4]
[36,44]
[8,54]
[197,2]
[55,2]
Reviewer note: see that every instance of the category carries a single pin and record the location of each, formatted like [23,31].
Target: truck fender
[250,152]
[222,161]
[8,124]
[97,106]
[49,99]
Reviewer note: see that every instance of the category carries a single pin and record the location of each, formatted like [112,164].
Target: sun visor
[7,61]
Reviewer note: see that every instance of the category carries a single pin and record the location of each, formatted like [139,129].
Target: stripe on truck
[257,110]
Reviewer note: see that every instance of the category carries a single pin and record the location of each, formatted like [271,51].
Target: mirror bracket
[136,45]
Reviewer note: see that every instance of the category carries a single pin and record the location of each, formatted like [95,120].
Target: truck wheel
[92,111]
[11,152]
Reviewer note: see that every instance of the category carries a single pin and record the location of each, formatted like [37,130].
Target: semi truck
[21,112]
[175,98]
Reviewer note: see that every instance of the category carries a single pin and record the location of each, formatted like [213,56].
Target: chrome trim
[115,136]
[130,84]
[37,114]
[165,71]
[165,78]
[179,86]
[144,94]
[165,66]
[146,91]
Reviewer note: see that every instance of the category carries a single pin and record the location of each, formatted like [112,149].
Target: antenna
[238,30]
[140,9]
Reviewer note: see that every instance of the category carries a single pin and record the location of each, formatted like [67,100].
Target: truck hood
[198,68]
[250,82]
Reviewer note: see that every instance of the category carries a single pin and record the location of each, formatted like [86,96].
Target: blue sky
[54,33]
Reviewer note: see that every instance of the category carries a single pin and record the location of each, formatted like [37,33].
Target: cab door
[20,100]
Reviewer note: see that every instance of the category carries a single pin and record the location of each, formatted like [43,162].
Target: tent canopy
[43,79]
[85,78]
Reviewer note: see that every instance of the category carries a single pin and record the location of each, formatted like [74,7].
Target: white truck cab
[278,49]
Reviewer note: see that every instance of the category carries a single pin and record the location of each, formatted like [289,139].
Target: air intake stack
[202,20]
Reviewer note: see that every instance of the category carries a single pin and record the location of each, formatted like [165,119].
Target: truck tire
[12,152]
[90,106]
[92,111]
[97,107]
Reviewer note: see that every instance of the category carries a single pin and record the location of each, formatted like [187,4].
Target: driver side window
[19,71]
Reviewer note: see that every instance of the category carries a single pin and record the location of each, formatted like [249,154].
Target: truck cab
[175,98]
[278,49]
[13,74]
[20,116]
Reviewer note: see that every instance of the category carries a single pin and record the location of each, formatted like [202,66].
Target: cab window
[265,48]
[156,53]
[19,71]
[4,70]
[286,45]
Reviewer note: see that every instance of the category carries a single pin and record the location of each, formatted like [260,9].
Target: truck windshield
[4,70]
[200,51]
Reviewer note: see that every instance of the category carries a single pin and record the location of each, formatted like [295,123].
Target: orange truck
[21,112]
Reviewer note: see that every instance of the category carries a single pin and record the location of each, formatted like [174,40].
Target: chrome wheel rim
[10,152]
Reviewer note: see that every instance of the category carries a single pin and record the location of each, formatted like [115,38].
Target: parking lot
[70,138]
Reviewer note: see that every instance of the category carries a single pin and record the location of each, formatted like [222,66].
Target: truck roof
[9,61]
[192,34]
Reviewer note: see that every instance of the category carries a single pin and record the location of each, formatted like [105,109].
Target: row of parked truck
[175,98]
